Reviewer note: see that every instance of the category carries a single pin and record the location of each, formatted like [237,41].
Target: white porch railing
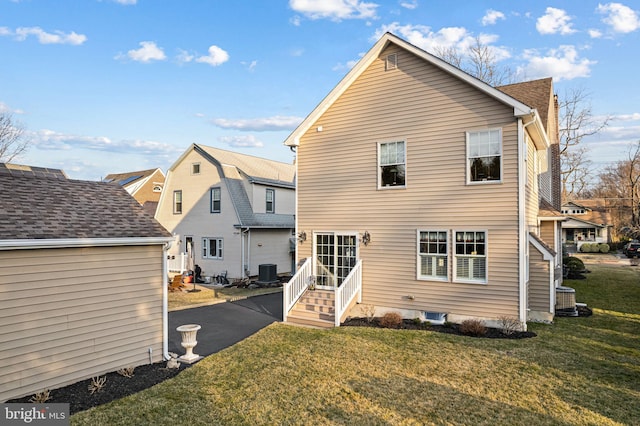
[296,286]
[350,288]
[177,263]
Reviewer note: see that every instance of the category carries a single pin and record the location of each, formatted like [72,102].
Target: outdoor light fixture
[302,236]
[366,238]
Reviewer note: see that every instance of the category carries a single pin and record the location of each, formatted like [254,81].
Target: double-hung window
[177,202]
[212,248]
[433,255]
[216,201]
[391,164]
[470,256]
[270,201]
[484,155]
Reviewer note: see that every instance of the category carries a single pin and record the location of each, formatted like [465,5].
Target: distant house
[144,185]
[588,221]
[229,212]
[82,281]
[425,191]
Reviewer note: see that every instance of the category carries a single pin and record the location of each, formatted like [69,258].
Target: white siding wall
[70,314]
[431,111]
[270,246]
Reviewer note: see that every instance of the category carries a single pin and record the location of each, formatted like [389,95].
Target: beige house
[588,221]
[425,191]
[82,281]
[144,185]
[229,212]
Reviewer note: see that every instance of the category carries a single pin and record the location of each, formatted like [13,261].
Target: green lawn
[579,371]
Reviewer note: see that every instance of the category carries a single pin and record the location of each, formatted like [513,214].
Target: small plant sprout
[369,312]
[509,325]
[40,397]
[97,384]
[126,372]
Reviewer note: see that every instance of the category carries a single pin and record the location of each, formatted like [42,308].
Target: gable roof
[547,212]
[23,170]
[126,179]
[596,212]
[519,109]
[39,208]
[535,93]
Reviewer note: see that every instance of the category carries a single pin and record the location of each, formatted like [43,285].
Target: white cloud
[251,66]
[241,141]
[295,21]
[409,4]
[148,52]
[6,109]
[275,123]
[57,37]
[595,33]
[491,17]
[621,18]
[450,37]
[126,2]
[554,21]
[336,10]
[627,117]
[562,63]
[184,56]
[216,57]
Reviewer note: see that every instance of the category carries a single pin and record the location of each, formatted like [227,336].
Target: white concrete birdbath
[189,341]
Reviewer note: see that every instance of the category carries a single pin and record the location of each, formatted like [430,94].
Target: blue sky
[109,86]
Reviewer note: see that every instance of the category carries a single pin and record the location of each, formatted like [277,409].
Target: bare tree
[12,140]
[576,173]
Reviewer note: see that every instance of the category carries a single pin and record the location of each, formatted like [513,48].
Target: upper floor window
[391,62]
[470,256]
[391,164]
[271,201]
[216,201]
[195,168]
[484,155]
[177,202]
[433,255]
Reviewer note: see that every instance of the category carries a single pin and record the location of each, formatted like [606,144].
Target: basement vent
[391,62]
[435,318]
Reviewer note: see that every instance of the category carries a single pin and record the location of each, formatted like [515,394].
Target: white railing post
[296,286]
[350,288]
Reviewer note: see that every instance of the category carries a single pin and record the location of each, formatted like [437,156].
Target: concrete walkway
[225,324]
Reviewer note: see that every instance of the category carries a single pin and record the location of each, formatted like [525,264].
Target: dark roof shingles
[32,207]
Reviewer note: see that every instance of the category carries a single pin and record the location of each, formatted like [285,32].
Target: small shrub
[126,372]
[603,248]
[391,320]
[473,327]
[417,321]
[96,385]
[40,397]
[573,263]
[509,325]
[369,312]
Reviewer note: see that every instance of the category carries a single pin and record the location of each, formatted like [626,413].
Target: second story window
[484,155]
[216,201]
[177,202]
[391,164]
[195,168]
[271,201]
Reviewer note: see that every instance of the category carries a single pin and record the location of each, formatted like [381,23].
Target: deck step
[315,308]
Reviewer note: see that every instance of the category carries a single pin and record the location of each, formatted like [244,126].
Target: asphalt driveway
[225,324]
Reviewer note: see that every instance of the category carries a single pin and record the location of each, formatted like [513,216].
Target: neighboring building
[588,221]
[144,185]
[82,281]
[425,191]
[229,212]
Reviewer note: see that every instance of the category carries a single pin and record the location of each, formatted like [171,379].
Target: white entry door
[335,255]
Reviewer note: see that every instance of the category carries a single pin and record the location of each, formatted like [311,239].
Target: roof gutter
[25,244]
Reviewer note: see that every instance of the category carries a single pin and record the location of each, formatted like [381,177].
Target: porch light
[302,236]
[366,238]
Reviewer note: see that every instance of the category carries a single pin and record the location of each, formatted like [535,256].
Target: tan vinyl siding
[337,184]
[532,187]
[70,314]
[547,233]
[538,281]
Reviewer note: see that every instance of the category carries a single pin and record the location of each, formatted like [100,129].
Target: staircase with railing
[316,307]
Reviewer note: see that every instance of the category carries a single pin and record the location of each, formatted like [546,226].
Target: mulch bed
[117,386]
[449,328]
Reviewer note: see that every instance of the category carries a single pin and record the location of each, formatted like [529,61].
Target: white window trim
[219,246]
[193,173]
[273,200]
[175,204]
[467,168]
[454,265]
[211,209]
[420,277]
[378,165]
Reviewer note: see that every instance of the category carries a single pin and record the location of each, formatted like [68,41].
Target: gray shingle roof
[33,207]
[247,217]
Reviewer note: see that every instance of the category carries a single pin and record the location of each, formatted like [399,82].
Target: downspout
[242,267]
[165,303]
[522,224]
